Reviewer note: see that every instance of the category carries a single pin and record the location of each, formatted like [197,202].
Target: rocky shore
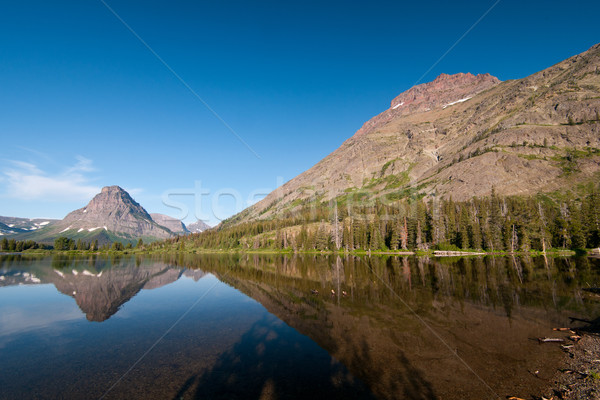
[578,376]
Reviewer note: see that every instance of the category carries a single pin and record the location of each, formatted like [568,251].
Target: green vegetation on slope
[495,223]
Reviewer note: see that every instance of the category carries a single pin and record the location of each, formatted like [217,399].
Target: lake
[286,327]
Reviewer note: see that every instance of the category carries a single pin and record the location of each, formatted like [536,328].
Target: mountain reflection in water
[415,328]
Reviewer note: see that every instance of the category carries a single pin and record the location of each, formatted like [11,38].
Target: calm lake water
[275,327]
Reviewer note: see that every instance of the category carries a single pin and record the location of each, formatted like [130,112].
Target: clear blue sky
[84,104]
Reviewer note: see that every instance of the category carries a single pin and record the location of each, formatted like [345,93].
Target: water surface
[278,327]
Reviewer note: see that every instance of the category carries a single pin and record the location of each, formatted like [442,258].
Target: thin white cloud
[27,181]
[26,167]
[83,165]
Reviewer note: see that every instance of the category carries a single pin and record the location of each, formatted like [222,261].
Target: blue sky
[84,104]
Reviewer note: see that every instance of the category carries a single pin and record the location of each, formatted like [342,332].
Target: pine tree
[495,223]
[376,239]
[525,241]
[576,229]
[464,228]
[302,238]
[591,216]
[347,239]
[561,234]
[437,221]
[404,235]
[322,238]
[279,239]
[419,236]
[395,237]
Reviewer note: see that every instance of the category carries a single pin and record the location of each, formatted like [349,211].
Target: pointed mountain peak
[113,209]
[114,198]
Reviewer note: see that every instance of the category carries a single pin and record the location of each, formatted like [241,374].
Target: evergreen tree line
[19,245]
[65,243]
[493,223]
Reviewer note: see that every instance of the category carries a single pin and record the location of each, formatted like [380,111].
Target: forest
[492,224]
[12,245]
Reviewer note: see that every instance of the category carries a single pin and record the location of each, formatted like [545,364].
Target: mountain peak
[198,226]
[112,189]
[112,199]
[443,91]
[113,209]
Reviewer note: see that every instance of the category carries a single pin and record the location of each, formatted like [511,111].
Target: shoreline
[419,253]
[578,374]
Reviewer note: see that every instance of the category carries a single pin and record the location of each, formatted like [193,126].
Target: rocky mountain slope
[114,210]
[112,215]
[462,135]
[173,224]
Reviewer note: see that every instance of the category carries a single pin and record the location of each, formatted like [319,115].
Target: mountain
[12,225]
[198,226]
[112,215]
[173,224]
[461,136]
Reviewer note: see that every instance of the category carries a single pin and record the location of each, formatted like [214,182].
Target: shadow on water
[269,363]
[407,380]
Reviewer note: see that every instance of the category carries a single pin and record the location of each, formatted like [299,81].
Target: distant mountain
[460,136]
[173,224]
[198,226]
[112,215]
[12,225]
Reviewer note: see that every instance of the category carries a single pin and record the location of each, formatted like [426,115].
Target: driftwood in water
[550,340]
[444,253]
